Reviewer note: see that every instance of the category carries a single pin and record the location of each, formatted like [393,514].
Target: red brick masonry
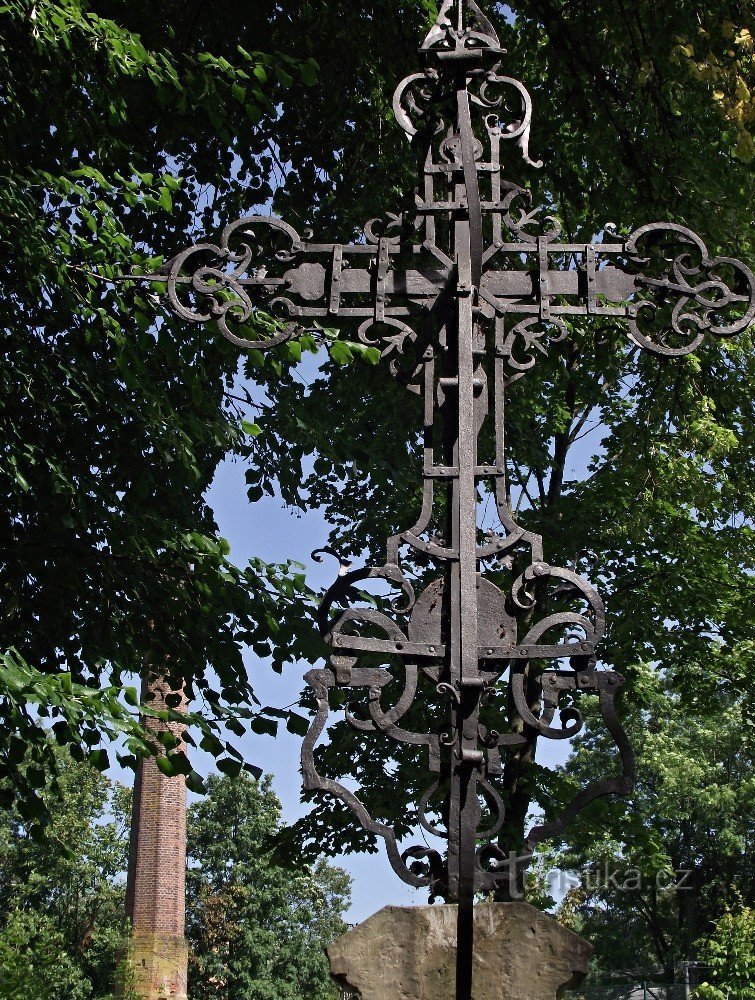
[156,886]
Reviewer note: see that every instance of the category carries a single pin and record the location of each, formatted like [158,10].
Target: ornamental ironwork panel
[462,295]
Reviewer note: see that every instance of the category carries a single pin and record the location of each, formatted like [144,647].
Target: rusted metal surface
[461,297]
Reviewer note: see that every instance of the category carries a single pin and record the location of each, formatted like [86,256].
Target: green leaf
[309,71]
[165,767]
[366,352]
[99,759]
[340,352]
[236,726]
[195,783]
[297,724]
[263,726]
[285,78]
[293,349]
[131,696]
[228,766]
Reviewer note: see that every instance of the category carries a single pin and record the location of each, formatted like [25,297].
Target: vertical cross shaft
[463,653]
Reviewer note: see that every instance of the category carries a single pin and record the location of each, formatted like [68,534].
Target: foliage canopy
[257,930]
[62,899]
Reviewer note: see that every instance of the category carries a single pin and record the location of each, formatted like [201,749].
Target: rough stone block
[409,953]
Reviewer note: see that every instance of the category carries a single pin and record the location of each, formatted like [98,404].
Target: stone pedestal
[409,953]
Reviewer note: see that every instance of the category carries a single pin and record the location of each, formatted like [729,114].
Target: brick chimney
[157,956]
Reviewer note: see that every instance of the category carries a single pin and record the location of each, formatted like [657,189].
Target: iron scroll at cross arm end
[487,644]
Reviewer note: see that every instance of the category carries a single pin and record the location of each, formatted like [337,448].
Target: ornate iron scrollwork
[699,294]
[462,296]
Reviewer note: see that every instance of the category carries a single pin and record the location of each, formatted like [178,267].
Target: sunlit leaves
[256,922]
[729,955]
[62,897]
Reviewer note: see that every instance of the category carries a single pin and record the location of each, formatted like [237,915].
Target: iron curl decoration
[217,282]
[517,127]
[480,647]
[412,100]
[706,299]
[528,336]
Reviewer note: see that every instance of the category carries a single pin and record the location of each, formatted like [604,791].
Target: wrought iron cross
[461,295]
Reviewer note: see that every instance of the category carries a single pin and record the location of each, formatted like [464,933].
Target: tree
[112,423]
[34,964]
[257,930]
[730,955]
[62,899]
[658,873]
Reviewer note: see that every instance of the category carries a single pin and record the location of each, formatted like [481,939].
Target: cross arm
[261,266]
[661,279]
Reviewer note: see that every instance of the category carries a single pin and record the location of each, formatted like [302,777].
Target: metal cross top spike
[461,296]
